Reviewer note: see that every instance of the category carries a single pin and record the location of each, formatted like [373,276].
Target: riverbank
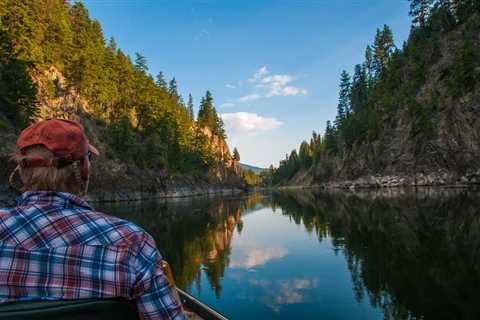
[175,193]
[440,178]
[7,196]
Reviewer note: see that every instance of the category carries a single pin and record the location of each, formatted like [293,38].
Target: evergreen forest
[142,119]
[395,86]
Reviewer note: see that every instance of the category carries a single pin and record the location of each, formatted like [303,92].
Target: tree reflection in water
[415,255]
[193,234]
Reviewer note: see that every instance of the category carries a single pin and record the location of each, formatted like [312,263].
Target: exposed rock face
[56,98]
[220,147]
[448,153]
[439,178]
[112,180]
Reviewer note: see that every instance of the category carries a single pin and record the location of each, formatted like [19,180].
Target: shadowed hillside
[409,115]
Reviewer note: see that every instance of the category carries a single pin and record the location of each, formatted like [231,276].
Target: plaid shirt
[54,246]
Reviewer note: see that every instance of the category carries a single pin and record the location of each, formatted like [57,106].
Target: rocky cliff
[427,131]
[113,179]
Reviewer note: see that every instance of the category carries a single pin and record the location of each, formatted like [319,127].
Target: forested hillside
[408,115]
[55,62]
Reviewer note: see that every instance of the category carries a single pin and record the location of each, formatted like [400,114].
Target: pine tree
[161,83]
[190,106]
[343,107]
[112,45]
[420,11]
[219,125]
[205,117]
[369,64]
[236,155]
[173,90]
[382,49]
[305,155]
[330,138]
[359,89]
[208,117]
[140,62]
[378,53]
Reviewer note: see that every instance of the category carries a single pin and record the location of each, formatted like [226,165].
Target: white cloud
[258,74]
[285,91]
[227,105]
[249,123]
[276,293]
[203,34]
[230,86]
[278,79]
[256,256]
[249,97]
[278,85]
[270,85]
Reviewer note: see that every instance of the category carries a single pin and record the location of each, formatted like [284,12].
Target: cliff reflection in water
[412,255]
[193,235]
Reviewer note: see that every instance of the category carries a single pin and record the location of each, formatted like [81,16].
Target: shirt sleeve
[154,297]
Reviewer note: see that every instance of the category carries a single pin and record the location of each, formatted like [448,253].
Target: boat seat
[88,309]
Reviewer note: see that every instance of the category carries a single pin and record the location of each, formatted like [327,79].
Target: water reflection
[406,255]
[417,255]
[193,235]
[250,254]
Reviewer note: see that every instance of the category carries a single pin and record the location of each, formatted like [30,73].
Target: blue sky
[272,66]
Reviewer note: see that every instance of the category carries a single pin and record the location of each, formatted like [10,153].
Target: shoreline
[180,193]
[441,179]
[7,196]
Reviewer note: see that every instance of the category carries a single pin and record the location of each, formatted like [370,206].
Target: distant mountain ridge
[254,169]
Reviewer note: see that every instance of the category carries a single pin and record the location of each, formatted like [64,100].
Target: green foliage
[121,138]
[305,155]
[287,168]
[190,107]
[173,90]
[147,123]
[161,83]
[383,48]
[387,84]
[17,91]
[208,117]
[343,107]
[421,122]
[420,10]
[330,138]
[140,63]
[465,69]
[236,155]
[251,178]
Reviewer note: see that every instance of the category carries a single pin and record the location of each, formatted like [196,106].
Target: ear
[11,179]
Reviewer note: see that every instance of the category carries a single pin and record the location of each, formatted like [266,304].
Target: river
[398,254]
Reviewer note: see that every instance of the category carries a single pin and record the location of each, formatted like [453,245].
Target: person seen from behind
[55,246]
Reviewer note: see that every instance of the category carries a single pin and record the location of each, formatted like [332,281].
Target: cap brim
[93,150]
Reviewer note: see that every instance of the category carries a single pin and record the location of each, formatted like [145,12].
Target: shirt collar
[62,199]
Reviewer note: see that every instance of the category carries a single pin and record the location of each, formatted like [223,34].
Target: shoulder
[8,213]
[120,232]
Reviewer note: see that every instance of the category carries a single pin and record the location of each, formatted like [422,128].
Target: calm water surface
[312,255]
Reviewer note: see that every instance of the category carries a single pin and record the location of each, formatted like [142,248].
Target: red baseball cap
[64,138]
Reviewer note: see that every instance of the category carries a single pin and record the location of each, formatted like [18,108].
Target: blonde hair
[64,179]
